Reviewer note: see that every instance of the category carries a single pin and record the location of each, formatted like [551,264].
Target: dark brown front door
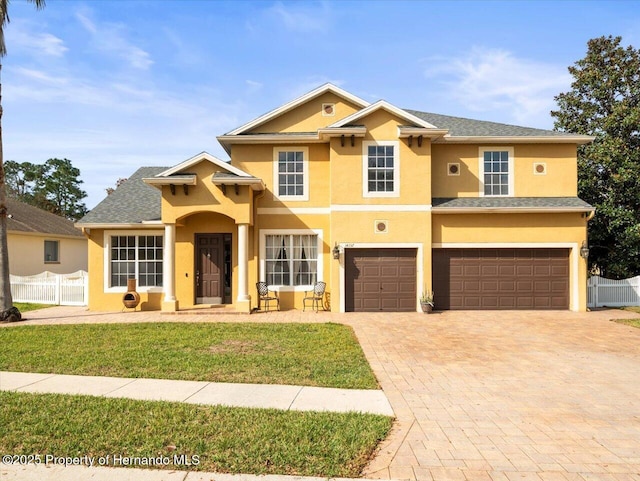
[501,278]
[209,268]
[380,280]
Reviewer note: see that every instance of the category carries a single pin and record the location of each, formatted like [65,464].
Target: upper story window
[496,171]
[51,251]
[381,169]
[291,173]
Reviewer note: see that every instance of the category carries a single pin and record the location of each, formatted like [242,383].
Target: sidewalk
[285,397]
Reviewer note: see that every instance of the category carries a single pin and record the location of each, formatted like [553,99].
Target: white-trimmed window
[291,259]
[51,252]
[381,169]
[133,256]
[291,173]
[496,171]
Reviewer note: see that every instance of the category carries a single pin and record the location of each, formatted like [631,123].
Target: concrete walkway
[285,397]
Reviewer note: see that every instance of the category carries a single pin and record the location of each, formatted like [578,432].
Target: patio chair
[265,296]
[316,297]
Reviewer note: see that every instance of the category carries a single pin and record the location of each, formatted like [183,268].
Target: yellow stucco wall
[561,179]
[26,254]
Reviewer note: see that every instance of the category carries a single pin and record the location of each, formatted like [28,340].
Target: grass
[233,440]
[630,322]
[300,354]
[29,306]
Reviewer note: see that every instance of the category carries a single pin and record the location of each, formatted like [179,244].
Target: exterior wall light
[336,251]
[584,250]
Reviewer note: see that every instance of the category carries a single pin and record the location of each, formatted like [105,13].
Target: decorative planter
[426,307]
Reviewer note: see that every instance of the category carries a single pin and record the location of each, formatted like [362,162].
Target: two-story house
[379,202]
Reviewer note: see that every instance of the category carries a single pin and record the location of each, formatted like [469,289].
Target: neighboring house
[379,202]
[40,241]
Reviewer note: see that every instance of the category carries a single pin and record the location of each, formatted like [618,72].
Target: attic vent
[328,110]
[381,226]
[453,169]
[539,168]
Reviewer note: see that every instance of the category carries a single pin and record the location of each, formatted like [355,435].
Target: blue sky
[114,85]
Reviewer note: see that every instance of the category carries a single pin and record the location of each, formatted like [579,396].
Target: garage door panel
[498,278]
[380,280]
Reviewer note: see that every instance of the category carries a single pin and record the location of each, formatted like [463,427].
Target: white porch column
[169,302]
[243,300]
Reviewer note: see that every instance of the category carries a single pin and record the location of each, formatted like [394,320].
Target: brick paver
[487,396]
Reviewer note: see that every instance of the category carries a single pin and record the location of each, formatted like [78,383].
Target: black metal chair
[264,296]
[316,297]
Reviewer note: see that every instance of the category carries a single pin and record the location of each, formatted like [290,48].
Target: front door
[209,268]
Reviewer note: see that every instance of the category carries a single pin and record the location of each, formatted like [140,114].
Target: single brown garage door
[380,280]
[501,278]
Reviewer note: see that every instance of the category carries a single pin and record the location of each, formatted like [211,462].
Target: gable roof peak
[322,89]
[383,104]
[196,159]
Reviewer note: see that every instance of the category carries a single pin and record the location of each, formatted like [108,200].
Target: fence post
[595,291]
[85,289]
[57,293]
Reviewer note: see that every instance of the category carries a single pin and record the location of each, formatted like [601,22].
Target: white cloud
[111,38]
[489,80]
[34,42]
[303,17]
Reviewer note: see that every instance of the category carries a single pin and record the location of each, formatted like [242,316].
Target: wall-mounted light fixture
[336,251]
[584,250]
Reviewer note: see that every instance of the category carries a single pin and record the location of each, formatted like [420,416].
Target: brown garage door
[380,280]
[501,278]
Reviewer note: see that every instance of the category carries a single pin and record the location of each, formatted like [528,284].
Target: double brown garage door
[380,280]
[501,278]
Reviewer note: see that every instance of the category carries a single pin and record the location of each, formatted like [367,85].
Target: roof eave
[160,181]
[510,210]
[520,139]
[405,132]
[255,183]
[151,224]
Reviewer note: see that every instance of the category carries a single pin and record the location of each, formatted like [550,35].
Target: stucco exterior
[240,203]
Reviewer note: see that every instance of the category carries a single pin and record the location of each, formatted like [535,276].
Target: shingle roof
[131,203]
[27,218]
[480,203]
[461,127]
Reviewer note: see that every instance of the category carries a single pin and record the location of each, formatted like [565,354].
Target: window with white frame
[291,259]
[496,169]
[51,251]
[291,176]
[381,167]
[135,256]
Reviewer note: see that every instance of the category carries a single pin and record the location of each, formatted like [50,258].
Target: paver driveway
[507,395]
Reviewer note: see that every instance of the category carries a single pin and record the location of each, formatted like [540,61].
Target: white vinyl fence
[49,288]
[611,293]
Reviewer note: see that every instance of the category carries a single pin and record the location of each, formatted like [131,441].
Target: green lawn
[29,306]
[301,354]
[630,322]
[233,440]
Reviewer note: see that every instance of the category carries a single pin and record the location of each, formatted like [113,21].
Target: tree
[58,189]
[7,310]
[604,101]
[119,182]
[53,186]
